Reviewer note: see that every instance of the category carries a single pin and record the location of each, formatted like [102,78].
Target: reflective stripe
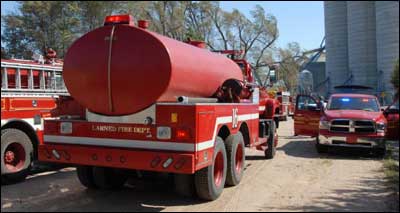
[223,120]
[144,144]
[112,142]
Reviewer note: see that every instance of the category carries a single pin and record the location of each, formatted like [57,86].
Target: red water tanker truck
[152,103]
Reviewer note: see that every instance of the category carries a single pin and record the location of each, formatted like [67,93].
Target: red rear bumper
[118,158]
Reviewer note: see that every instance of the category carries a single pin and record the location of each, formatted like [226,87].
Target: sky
[300,21]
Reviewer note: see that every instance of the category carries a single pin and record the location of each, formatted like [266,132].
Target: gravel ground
[297,179]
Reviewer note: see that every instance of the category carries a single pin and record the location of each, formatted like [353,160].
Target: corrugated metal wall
[387,39]
[336,42]
[362,42]
[368,33]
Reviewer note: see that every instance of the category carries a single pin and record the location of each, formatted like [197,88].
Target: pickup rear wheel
[16,155]
[379,152]
[109,178]
[210,181]
[236,158]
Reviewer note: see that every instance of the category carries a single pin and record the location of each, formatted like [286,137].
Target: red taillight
[119,19]
[182,134]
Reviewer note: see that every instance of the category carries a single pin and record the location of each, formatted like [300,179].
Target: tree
[91,14]
[40,25]
[16,43]
[45,24]
[290,62]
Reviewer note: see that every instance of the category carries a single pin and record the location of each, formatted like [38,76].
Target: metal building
[387,41]
[361,40]
[336,42]
[362,43]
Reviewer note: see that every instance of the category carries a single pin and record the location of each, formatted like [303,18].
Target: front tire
[320,148]
[236,158]
[16,155]
[210,181]
[271,150]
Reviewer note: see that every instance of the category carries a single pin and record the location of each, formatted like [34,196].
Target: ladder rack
[48,83]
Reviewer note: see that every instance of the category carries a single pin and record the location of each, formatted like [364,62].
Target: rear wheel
[109,178]
[271,149]
[210,181]
[16,155]
[379,152]
[184,185]
[85,176]
[236,158]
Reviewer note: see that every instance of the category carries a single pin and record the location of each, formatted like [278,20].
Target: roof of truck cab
[353,95]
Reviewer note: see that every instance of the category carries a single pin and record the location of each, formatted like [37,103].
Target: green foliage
[16,43]
[39,25]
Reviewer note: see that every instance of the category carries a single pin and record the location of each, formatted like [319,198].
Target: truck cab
[348,120]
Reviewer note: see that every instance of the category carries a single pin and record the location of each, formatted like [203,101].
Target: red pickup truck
[349,120]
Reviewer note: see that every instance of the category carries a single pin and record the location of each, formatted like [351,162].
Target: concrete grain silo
[362,41]
[336,42]
[361,32]
[387,40]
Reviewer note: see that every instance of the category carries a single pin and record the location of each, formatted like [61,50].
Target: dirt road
[298,179]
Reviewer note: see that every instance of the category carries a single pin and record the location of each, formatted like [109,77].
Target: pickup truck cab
[349,120]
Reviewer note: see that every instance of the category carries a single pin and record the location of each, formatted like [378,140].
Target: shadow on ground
[369,195]
[306,149]
[61,191]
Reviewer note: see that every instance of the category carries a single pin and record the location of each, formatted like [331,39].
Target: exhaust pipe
[187,100]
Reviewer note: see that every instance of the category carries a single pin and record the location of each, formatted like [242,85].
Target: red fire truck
[153,103]
[285,105]
[28,92]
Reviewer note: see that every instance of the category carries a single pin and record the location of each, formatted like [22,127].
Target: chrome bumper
[342,141]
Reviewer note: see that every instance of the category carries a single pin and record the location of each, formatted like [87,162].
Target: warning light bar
[345,99]
[119,19]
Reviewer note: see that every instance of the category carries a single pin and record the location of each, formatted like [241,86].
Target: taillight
[182,134]
[119,19]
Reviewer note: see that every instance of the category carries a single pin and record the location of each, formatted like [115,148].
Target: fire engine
[285,106]
[28,92]
[152,103]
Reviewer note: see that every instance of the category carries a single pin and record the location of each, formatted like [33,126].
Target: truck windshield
[353,103]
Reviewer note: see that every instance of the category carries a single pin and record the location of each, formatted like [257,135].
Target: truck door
[306,116]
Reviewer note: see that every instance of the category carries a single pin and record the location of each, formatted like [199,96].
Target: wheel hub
[9,157]
[14,157]
[218,169]
[239,159]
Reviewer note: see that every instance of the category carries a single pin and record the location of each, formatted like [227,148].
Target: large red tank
[142,68]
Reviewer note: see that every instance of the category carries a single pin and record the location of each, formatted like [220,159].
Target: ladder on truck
[50,82]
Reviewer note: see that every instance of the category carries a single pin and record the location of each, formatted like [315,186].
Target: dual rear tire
[227,169]
[101,177]
[208,183]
